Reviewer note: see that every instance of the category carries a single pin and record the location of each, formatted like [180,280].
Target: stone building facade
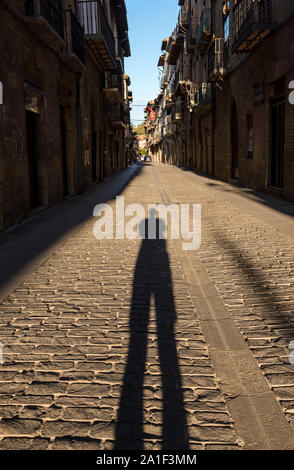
[65,102]
[236,121]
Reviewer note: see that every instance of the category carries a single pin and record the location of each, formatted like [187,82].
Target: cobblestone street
[137,344]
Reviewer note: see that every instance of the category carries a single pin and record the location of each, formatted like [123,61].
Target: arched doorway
[235,142]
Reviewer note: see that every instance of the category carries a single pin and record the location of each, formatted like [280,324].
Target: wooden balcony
[251,22]
[98,33]
[45,19]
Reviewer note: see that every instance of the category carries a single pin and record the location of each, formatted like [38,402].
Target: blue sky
[149,22]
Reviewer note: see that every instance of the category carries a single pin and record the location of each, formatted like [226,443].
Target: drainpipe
[213,125]
[213,107]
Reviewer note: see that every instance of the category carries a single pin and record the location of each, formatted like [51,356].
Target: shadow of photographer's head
[152,228]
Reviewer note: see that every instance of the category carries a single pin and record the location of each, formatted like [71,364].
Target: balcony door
[277,142]
[235,142]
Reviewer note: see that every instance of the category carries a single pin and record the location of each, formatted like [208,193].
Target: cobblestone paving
[252,266]
[102,347]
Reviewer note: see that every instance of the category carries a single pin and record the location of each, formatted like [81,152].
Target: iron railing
[77,38]
[51,10]
[203,96]
[118,113]
[215,64]
[95,23]
[178,111]
[247,13]
[227,55]
[118,49]
[204,29]
[183,18]
[191,34]
[175,81]
[114,80]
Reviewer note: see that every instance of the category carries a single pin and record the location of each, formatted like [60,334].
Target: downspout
[213,110]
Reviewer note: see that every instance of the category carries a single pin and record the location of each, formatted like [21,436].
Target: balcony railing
[51,10]
[252,21]
[118,117]
[216,60]
[178,112]
[191,35]
[98,32]
[45,17]
[77,34]
[203,97]
[113,88]
[75,54]
[119,55]
[227,55]
[168,129]
[177,45]
[204,30]
[183,18]
[175,81]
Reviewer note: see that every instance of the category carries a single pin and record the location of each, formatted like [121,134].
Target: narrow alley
[146,232]
[138,344]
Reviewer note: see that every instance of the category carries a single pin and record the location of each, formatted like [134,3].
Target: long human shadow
[152,277]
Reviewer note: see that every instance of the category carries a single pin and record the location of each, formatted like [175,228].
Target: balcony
[204,30]
[177,114]
[191,35]
[45,19]
[183,18]
[75,47]
[98,33]
[176,47]
[252,21]
[216,60]
[203,98]
[119,55]
[118,117]
[168,130]
[113,89]
[227,55]
[168,103]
